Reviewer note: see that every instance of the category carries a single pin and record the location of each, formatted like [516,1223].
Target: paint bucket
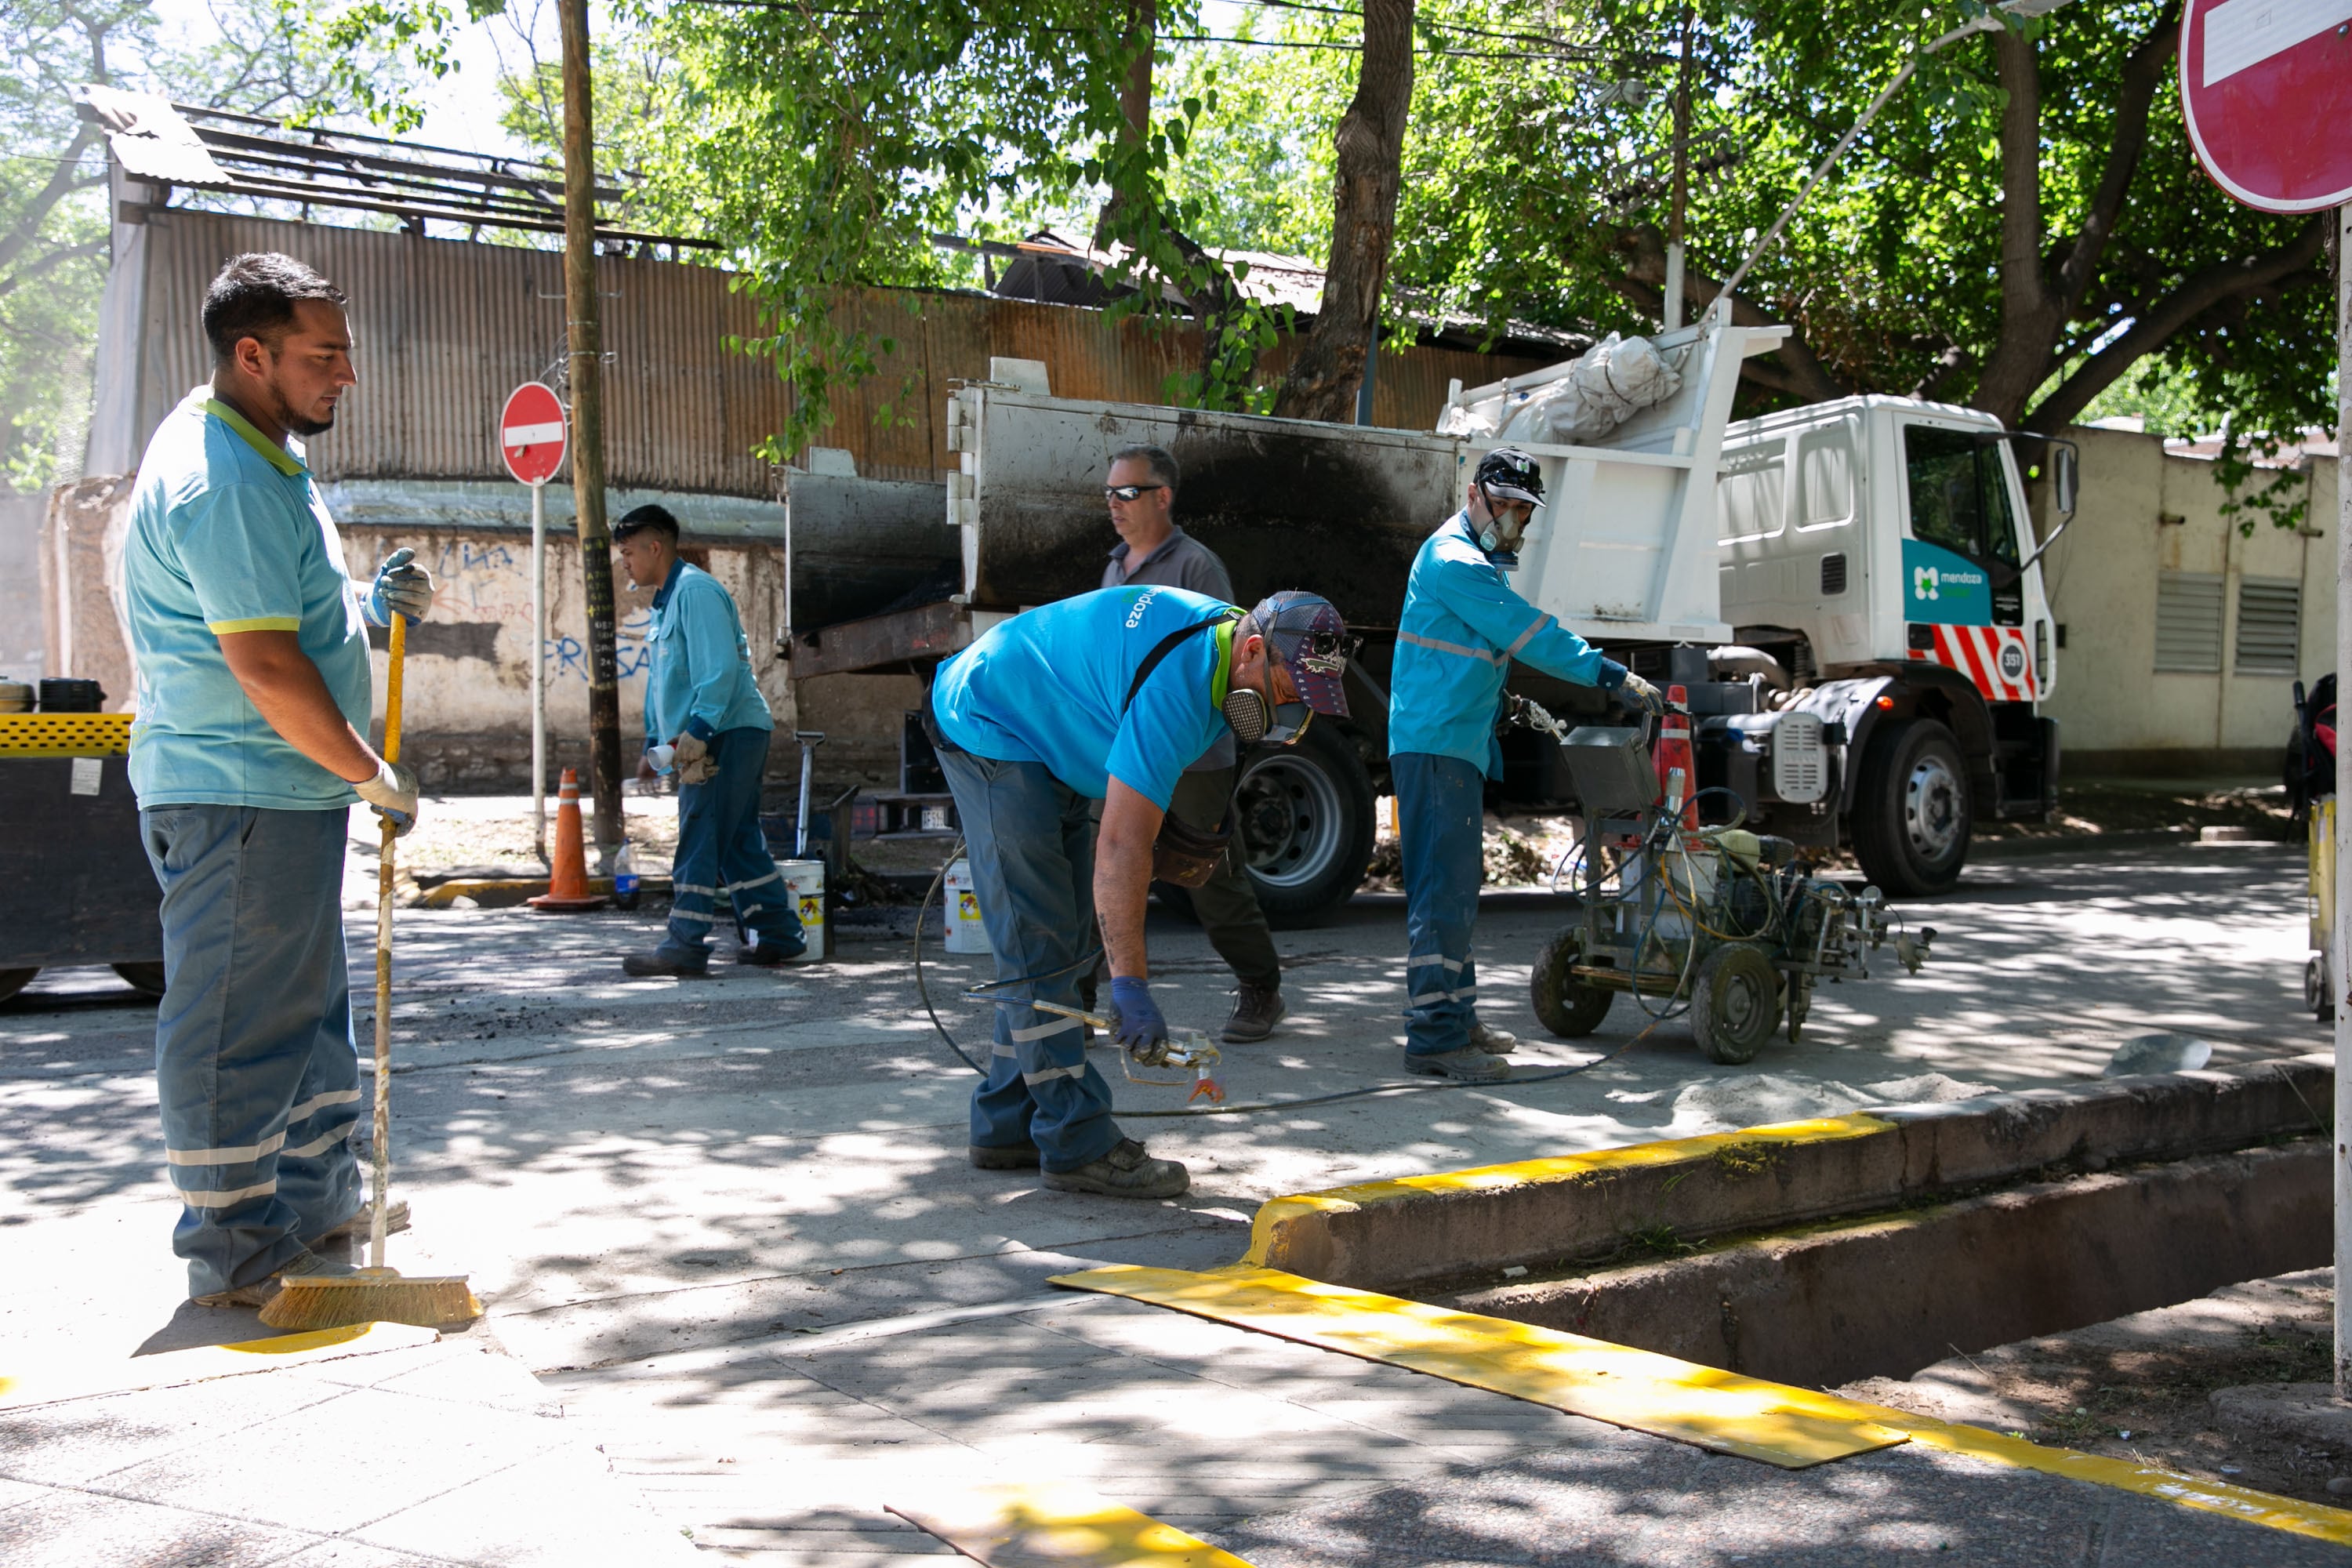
[804,881]
[964,931]
[61,694]
[15,697]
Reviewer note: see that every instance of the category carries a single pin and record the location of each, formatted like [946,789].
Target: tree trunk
[1324,378]
[1134,108]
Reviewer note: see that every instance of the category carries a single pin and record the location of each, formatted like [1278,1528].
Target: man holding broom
[249,745]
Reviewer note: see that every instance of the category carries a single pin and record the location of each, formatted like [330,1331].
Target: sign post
[2266,90]
[531,440]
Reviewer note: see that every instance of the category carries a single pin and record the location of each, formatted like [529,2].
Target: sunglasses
[1129,492]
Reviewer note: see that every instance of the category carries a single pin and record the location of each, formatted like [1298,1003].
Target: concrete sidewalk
[426,1450]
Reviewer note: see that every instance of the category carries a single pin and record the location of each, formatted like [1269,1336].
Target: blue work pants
[1030,845]
[720,844]
[1441,809]
[254,1067]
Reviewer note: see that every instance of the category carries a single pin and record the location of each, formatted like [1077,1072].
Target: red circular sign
[532,433]
[2266,86]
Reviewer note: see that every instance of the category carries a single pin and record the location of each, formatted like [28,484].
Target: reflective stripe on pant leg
[1440,806]
[1027,875]
[755,884]
[235,1033]
[694,873]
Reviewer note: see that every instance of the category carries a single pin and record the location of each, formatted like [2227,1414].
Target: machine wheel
[1911,814]
[1735,1002]
[1566,1006]
[1305,824]
[147,979]
[15,979]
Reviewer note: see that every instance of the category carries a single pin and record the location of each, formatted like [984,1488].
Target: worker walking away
[1105,697]
[701,698]
[248,747]
[1152,552]
[1462,626]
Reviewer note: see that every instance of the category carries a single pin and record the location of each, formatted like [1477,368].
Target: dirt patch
[2140,1387]
[2125,808]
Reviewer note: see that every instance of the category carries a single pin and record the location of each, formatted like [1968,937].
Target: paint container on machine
[964,932]
[625,878]
[804,883]
[662,757]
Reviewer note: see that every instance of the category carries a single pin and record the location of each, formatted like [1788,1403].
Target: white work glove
[1637,692]
[392,793]
[694,762]
[401,584]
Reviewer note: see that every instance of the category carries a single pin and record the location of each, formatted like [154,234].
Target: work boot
[1257,1010]
[358,1230]
[1469,1064]
[261,1292]
[1494,1042]
[1126,1171]
[1003,1156]
[667,960]
[769,950]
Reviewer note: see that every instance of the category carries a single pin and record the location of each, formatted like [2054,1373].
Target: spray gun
[1185,1048]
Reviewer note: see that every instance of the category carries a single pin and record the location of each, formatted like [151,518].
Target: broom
[377,1294]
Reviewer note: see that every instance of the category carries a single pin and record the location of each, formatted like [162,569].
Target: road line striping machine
[1720,923]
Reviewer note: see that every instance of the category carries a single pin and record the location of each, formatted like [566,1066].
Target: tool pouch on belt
[1186,856]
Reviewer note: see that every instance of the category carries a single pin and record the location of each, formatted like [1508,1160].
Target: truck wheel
[144,978]
[1735,1002]
[1911,811]
[15,979]
[1306,821]
[1568,1006]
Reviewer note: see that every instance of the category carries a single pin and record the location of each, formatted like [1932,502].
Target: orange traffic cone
[567,888]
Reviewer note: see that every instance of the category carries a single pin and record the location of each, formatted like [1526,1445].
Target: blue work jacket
[1462,627]
[700,680]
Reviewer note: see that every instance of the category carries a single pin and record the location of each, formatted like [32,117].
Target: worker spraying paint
[1462,627]
[1108,696]
[249,745]
[702,702]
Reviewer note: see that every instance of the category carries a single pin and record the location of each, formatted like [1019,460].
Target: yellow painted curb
[1053,1524]
[1276,1212]
[1791,1427]
[84,1380]
[441,895]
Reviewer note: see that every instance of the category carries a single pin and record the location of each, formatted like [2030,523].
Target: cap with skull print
[1305,633]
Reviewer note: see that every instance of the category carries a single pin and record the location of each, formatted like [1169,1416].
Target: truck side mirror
[2062,479]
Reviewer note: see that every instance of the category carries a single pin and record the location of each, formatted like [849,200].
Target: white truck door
[1964,598]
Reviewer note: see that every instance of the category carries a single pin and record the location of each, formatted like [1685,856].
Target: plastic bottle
[625,878]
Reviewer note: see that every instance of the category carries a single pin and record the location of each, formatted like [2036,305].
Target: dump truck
[1848,593]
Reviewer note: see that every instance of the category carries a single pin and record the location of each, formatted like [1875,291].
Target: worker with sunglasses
[1462,626]
[1141,491]
[1105,697]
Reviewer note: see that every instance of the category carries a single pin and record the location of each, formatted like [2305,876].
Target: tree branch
[1800,373]
[35,211]
[2228,283]
[54,259]
[2030,313]
[2147,71]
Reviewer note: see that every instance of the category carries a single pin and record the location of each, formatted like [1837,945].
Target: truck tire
[1735,1002]
[15,979]
[1911,814]
[1564,1004]
[1305,815]
[147,978]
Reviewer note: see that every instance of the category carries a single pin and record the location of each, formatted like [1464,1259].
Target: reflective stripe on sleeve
[1485,654]
[1528,636]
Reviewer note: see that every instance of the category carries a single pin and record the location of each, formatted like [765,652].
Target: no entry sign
[530,433]
[2266,86]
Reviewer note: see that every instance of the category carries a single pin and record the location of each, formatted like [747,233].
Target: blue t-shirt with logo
[1047,687]
[227,535]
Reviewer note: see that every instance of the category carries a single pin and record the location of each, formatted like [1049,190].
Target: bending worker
[250,743]
[701,698]
[1462,627]
[1108,697]
[1152,552]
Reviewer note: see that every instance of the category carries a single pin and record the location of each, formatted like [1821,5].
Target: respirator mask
[1256,719]
[1501,532]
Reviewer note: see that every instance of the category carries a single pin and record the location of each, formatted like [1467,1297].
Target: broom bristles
[337,1301]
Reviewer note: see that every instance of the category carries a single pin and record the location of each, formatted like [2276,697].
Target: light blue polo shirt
[227,535]
[1046,687]
[701,678]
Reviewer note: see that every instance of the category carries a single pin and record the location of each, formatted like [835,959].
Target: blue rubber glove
[401,584]
[1141,1029]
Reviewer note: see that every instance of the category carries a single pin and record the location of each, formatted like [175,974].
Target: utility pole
[587,386]
[1674,311]
[2341,946]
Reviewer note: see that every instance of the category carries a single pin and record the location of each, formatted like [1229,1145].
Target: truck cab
[1876,549]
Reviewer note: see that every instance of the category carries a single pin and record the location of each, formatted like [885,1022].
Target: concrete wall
[2144,511]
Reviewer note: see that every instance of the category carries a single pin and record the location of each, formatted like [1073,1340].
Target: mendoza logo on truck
[1944,587]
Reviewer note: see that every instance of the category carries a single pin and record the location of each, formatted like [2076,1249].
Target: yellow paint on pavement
[1051,1524]
[1791,1427]
[66,1377]
[1273,1215]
